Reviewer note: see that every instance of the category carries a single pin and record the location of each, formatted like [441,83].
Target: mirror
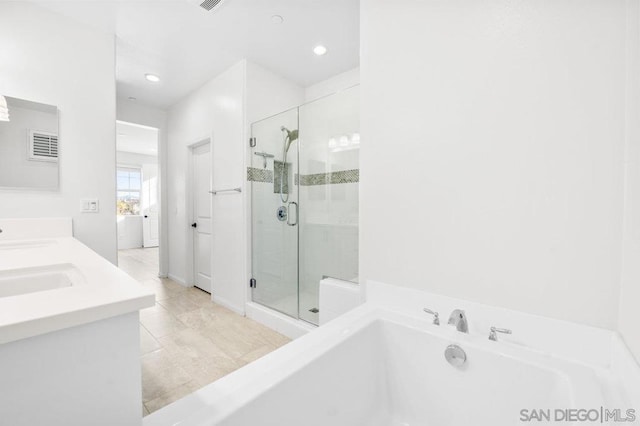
[28,145]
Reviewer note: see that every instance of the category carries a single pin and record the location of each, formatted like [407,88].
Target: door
[274,204]
[150,207]
[201,221]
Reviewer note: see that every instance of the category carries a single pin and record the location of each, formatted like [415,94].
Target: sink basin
[15,282]
[25,244]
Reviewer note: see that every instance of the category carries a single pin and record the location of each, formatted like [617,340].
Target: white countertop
[107,291]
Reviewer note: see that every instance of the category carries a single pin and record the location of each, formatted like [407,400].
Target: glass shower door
[329,173]
[275,211]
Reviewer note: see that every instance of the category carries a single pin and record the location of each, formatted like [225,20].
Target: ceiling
[136,139]
[186,46]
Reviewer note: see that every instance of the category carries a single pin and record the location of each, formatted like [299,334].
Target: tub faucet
[459,319]
[493,335]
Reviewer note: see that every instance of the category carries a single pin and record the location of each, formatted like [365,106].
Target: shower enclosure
[304,177]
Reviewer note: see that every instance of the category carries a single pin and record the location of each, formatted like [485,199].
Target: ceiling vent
[209,5]
[43,146]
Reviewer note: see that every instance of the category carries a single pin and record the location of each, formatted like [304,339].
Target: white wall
[132,112]
[268,93]
[221,109]
[332,85]
[216,111]
[629,315]
[134,159]
[493,151]
[80,80]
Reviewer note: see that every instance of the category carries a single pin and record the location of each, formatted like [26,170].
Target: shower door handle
[289,215]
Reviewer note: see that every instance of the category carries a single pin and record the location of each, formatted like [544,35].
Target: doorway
[138,199]
[201,217]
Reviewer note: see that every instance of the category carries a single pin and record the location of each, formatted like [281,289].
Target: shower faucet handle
[436,317]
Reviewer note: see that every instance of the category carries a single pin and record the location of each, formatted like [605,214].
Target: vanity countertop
[105,290]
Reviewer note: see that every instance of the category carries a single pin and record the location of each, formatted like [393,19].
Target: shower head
[292,135]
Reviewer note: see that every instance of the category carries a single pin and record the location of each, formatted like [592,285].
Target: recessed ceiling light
[277,19]
[319,50]
[152,78]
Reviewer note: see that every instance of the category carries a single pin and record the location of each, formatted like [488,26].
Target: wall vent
[43,146]
[208,5]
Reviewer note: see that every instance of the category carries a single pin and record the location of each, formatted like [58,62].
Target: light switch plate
[89,205]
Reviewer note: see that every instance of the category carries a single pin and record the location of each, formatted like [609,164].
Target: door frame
[163,227]
[190,280]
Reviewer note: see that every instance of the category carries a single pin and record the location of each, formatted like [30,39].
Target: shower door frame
[251,207]
[251,211]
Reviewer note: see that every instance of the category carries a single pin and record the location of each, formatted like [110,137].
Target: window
[129,188]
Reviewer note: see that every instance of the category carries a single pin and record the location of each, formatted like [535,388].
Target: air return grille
[43,146]
[210,4]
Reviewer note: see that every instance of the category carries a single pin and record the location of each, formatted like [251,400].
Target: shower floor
[308,303]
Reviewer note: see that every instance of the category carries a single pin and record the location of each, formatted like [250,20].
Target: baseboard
[224,302]
[283,324]
[179,280]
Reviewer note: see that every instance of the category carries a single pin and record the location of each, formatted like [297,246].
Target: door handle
[194,225]
[146,217]
[289,215]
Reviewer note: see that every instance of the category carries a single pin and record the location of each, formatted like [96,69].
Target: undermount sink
[16,282]
[25,244]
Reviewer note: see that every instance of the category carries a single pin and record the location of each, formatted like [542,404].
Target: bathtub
[383,366]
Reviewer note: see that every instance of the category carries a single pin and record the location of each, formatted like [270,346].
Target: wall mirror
[29,145]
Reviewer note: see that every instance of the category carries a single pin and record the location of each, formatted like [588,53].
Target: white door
[150,207]
[201,223]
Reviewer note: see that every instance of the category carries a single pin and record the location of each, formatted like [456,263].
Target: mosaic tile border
[344,176]
[259,175]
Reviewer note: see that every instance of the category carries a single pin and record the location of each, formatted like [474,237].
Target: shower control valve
[281,213]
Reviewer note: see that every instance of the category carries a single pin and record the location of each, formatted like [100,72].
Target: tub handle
[436,318]
[493,335]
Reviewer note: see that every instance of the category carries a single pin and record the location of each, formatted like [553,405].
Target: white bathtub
[375,367]
[389,371]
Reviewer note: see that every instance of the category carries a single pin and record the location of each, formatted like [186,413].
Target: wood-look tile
[160,374]
[155,309]
[199,297]
[148,343]
[179,304]
[256,354]
[186,340]
[172,396]
[160,324]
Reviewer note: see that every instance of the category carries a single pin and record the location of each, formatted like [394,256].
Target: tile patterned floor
[186,340]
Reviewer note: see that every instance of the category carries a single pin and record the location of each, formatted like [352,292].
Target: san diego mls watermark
[586,415]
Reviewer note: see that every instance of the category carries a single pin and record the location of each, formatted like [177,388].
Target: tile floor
[186,340]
